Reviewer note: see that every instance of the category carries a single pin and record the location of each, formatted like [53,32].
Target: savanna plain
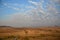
[40,33]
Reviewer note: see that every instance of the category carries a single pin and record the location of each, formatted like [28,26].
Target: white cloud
[16,4]
[30,7]
[36,17]
[34,3]
[19,19]
[56,0]
[15,8]
[12,7]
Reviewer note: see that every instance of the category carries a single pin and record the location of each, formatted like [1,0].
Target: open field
[43,33]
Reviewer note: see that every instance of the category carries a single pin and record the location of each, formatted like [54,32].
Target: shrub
[26,38]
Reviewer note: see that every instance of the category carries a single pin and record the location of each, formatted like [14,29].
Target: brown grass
[44,33]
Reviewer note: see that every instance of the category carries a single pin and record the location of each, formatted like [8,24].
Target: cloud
[30,7]
[48,15]
[56,1]
[34,3]
[16,4]
[18,19]
[38,16]
[12,7]
[15,8]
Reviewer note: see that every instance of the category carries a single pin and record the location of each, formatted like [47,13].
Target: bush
[1,39]
[26,38]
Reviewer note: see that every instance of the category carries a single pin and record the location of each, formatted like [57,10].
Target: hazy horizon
[25,13]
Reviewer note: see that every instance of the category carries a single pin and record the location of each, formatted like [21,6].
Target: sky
[25,13]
